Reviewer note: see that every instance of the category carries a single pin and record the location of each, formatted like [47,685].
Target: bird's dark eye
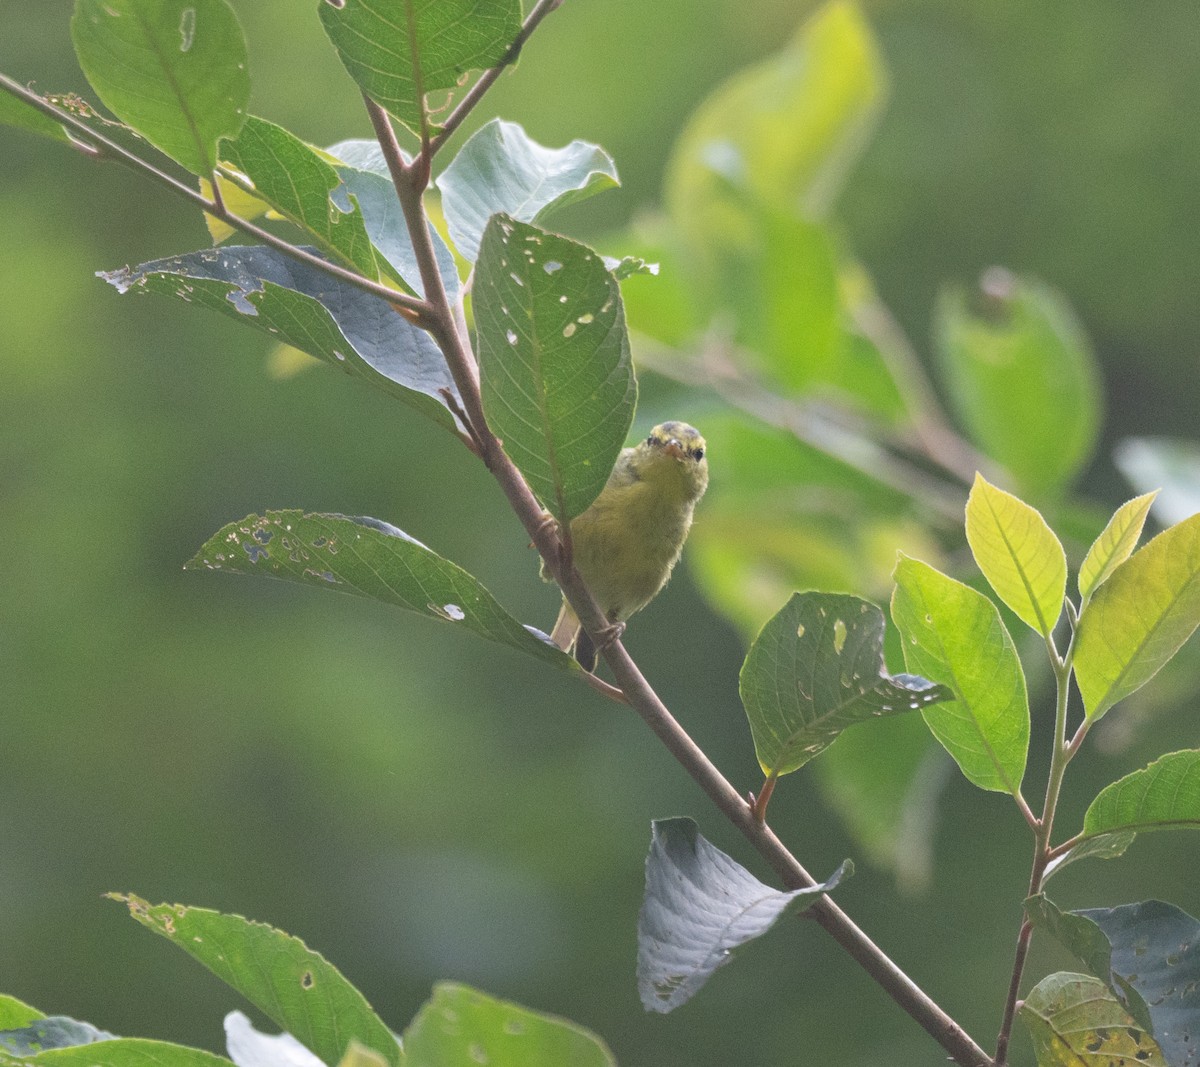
[697,454]
[652,440]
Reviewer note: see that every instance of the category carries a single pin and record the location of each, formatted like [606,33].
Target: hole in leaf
[551,265]
[569,330]
[800,630]
[839,636]
[307,981]
[187,29]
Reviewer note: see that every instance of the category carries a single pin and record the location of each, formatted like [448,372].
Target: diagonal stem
[445,327]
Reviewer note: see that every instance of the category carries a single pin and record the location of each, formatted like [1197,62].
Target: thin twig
[636,690]
[488,77]
[109,149]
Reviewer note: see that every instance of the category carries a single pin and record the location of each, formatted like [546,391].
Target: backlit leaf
[1139,618]
[399,51]
[954,635]
[1018,553]
[174,70]
[1115,544]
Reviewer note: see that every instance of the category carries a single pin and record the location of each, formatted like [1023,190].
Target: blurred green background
[420,805]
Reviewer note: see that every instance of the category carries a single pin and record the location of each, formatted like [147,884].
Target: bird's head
[674,453]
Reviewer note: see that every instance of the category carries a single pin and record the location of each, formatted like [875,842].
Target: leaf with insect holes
[174,70]
[368,558]
[290,176]
[557,379]
[817,668]
[502,169]
[699,906]
[308,309]
[399,52]
[955,635]
[1018,553]
[1139,618]
[295,987]
[1075,1021]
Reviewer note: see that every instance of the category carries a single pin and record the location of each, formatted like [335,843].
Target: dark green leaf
[397,52]
[1091,947]
[1148,954]
[281,976]
[629,267]
[817,668]
[1139,618]
[558,384]
[460,1026]
[292,178]
[1076,1022]
[369,558]
[699,906]
[955,636]
[15,112]
[502,169]
[54,1031]
[310,310]
[175,70]
[1022,378]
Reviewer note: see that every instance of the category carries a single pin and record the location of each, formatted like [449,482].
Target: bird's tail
[566,628]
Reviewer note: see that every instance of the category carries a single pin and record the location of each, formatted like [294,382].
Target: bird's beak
[674,448]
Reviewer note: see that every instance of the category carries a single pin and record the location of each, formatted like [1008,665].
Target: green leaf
[815,669]
[1115,544]
[459,1025]
[1139,618]
[1163,796]
[398,52]
[558,384]
[786,131]
[1018,553]
[1076,1022]
[954,635]
[1090,946]
[50,1032]
[699,906]
[1106,847]
[15,1013]
[1021,377]
[123,1052]
[289,175]
[388,231]
[296,988]
[15,112]
[175,70]
[308,309]
[369,558]
[502,169]
[1166,463]
[1148,954]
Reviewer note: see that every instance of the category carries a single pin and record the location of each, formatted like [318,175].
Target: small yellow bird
[626,544]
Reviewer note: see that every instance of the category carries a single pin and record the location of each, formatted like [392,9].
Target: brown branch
[108,149]
[488,77]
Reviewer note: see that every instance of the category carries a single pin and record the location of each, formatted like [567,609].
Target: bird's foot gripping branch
[514,339]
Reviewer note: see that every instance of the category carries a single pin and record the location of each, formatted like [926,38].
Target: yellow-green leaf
[1139,618]
[1018,553]
[1115,544]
